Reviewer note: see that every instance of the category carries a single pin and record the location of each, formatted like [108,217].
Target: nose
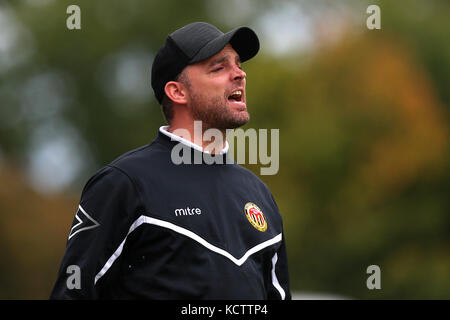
[238,73]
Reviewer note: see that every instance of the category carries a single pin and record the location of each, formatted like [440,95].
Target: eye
[217,69]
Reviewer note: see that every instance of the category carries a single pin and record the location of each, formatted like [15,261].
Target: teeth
[237,92]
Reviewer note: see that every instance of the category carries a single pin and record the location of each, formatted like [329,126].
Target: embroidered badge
[255,216]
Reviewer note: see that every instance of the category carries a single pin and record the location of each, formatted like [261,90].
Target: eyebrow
[222,59]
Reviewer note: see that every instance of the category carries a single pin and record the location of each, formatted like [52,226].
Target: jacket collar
[174,137]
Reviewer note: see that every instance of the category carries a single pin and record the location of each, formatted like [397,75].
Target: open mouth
[235,96]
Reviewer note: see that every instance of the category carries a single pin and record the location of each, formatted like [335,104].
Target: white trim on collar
[163,130]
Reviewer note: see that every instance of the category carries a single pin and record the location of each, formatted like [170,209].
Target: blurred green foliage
[364,142]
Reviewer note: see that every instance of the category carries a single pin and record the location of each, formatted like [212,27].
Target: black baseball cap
[196,42]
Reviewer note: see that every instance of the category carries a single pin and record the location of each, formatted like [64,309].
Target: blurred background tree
[363,118]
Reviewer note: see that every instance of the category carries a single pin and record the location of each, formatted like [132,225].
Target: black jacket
[149,229]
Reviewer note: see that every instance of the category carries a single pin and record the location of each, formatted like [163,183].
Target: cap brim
[243,39]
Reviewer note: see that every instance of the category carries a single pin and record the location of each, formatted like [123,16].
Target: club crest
[255,216]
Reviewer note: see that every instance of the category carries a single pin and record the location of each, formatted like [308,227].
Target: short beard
[214,113]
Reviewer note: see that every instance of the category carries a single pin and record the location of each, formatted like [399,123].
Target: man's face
[216,94]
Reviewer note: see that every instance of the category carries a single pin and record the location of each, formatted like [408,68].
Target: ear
[176,92]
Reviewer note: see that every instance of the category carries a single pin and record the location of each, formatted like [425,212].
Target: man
[149,228]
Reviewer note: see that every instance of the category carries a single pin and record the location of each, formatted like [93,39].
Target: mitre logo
[187,211]
[255,216]
[84,222]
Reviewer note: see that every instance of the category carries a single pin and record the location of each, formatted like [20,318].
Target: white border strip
[275,282]
[190,234]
